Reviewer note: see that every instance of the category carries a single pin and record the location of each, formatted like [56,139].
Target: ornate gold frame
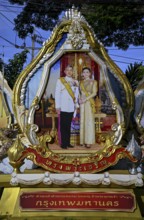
[80,38]
[4,109]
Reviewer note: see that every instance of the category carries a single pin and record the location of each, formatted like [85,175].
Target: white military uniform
[63,100]
[67,106]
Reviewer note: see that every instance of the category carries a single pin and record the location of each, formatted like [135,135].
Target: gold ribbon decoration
[92,102]
[68,87]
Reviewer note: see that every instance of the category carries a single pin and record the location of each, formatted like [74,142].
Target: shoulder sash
[92,102]
[68,87]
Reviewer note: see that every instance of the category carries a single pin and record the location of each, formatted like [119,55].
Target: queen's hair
[86,68]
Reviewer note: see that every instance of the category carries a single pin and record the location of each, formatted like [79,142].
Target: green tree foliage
[118,22]
[14,67]
[1,64]
[135,73]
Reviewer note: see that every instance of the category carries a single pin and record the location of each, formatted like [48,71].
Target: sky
[9,38]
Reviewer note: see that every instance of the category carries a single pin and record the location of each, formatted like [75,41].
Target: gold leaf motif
[15,151]
[35,101]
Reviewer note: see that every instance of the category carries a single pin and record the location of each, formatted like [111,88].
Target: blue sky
[9,38]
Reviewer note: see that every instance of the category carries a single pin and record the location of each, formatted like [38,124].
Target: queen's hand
[82,100]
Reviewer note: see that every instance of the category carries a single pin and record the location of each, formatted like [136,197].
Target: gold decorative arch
[80,38]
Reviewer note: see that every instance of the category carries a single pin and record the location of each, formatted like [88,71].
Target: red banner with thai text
[95,164]
[71,201]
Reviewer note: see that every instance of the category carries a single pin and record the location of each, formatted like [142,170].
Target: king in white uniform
[66,102]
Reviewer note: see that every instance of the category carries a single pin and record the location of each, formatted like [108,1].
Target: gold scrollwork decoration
[15,152]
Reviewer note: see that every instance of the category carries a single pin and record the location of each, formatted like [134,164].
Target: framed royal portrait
[72,43]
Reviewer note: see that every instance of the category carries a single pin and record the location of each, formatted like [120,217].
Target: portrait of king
[72,99]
